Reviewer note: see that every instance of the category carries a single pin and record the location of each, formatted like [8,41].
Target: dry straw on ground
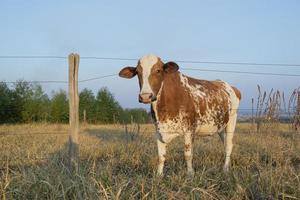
[264,166]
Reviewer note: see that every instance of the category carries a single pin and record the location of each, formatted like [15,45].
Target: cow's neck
[154,104]
[168,89]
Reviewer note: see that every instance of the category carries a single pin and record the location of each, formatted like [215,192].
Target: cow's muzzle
[146,98]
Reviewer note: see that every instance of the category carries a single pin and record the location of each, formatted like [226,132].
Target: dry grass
[264,166]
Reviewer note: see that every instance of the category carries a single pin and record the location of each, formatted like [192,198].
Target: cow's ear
[171,67]
[127,72]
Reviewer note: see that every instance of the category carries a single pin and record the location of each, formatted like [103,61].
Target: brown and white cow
[184,106]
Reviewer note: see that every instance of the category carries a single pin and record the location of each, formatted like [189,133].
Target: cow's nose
[145,97]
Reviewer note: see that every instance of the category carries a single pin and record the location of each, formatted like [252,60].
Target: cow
[185,106]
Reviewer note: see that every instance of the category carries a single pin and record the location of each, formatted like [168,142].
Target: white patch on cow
[154,107]
[233,98]
[154,103]
[161,155]
[208,128]
[195,90]
[230,128]
[188,152]
[170,129]
[147,63]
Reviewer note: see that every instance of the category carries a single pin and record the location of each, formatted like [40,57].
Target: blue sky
[232,31]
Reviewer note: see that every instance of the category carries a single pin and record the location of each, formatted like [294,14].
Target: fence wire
[179,61]
[131,136]
[136,59]
[97,77]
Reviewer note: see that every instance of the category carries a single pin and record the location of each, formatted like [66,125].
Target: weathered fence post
[138,128]
[297,114]
[84,116]
[252,113]
[126,132]
[131,119]
[73,112]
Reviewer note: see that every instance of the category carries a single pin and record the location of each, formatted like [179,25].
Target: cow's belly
[167,131]
[207,129]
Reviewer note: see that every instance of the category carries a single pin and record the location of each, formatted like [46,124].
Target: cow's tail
[237,92]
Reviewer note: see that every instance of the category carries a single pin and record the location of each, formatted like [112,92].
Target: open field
[114,166]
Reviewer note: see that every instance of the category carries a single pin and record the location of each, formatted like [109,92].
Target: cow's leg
[161,156]
[188,153]
[228,139]
[222,136]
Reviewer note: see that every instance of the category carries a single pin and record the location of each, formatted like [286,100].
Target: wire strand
[200,62]
[136,59]
[41,82]
[96,78]
[241,72]
[33,57]
[131,59]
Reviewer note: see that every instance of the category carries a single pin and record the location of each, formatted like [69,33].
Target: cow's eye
[158,71]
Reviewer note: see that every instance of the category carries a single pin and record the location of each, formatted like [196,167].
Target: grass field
[114,166]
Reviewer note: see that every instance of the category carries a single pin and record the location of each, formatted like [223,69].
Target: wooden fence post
[126,132]
[252,113]
[73,112]
[84,116]
[297,115]
[138,128]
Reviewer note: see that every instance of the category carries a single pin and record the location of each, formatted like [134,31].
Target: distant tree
[6,112]
[137,115]
[107,108]
[26,103]
[140,115]
[59,107]
[87,102]
[36,107]
[20,96]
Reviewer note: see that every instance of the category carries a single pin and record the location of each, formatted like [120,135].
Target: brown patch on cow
[187,147]
[139,71]
[203,107]
[174,99]
[127,72]
[153,114]
[170,67]
[237,92]
[156,77]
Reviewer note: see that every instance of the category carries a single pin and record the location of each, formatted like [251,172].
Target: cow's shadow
[102,146]
[108,135]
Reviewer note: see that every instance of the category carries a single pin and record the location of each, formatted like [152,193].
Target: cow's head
[151,72]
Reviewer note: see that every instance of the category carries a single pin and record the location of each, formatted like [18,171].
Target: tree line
[27,102]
